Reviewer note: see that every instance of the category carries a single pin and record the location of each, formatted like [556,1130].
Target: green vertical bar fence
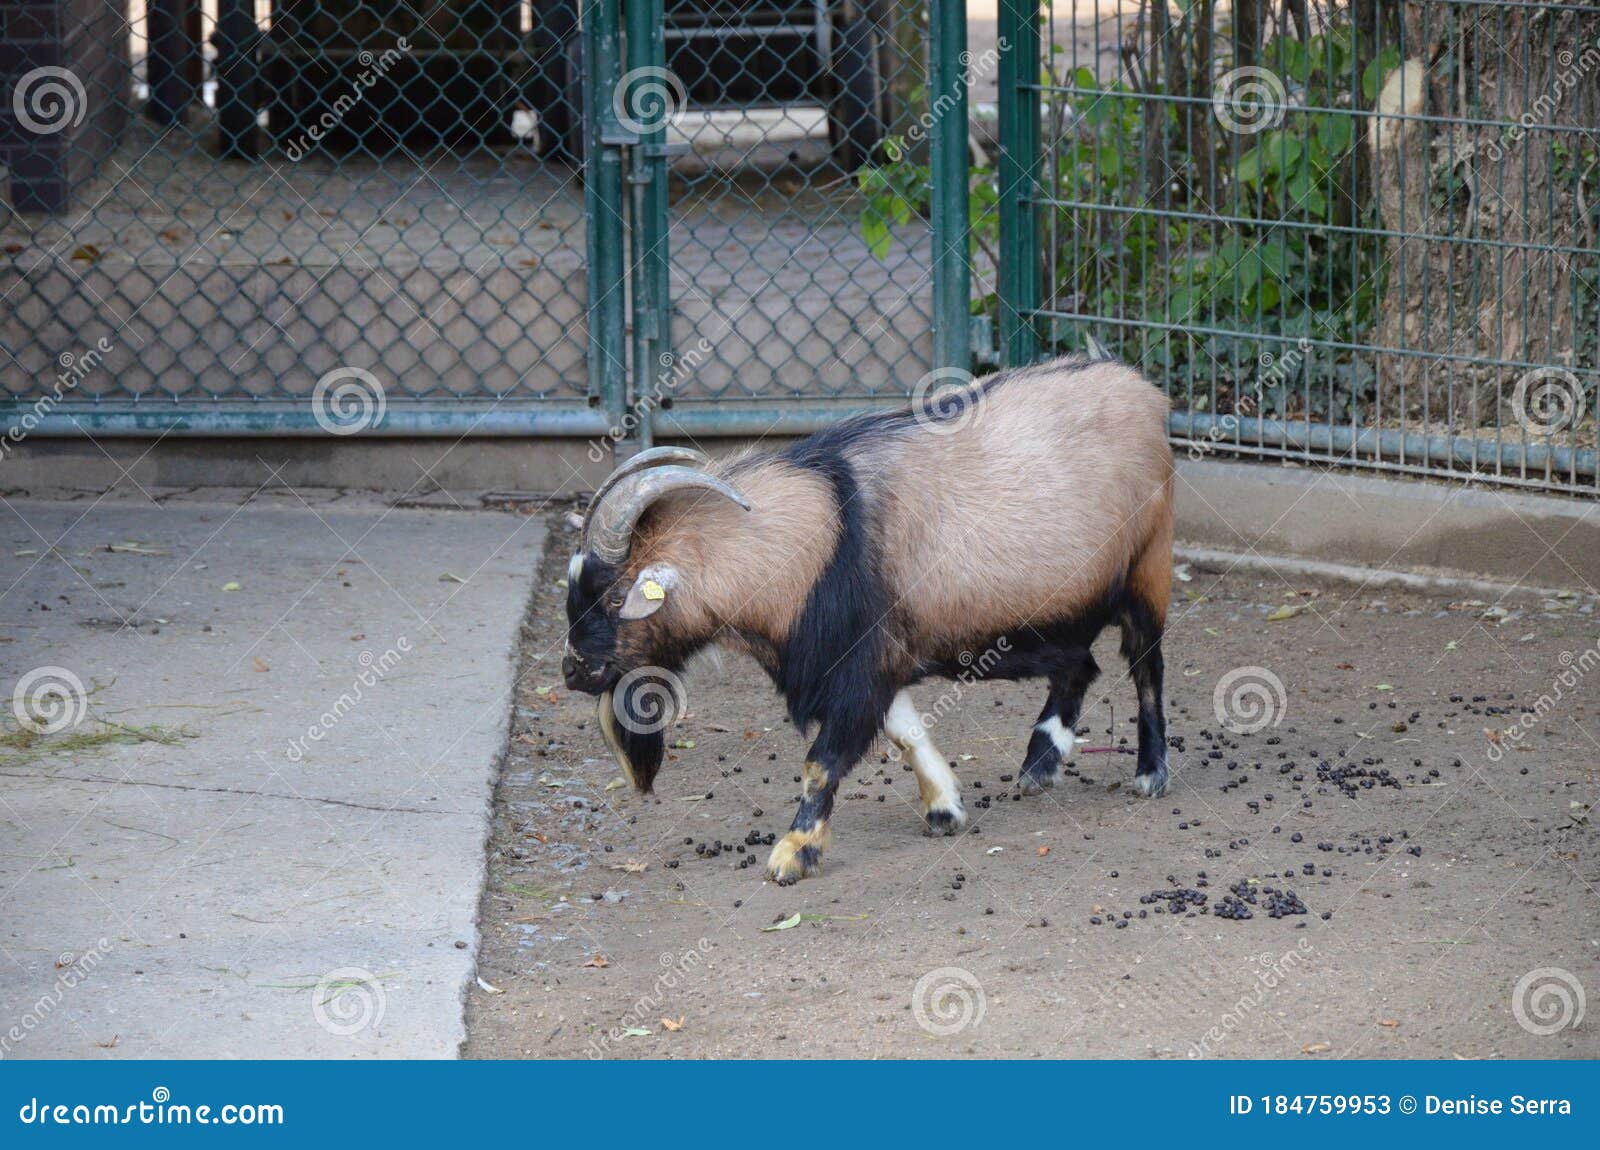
[608,353]
[1018,176]
[947,105]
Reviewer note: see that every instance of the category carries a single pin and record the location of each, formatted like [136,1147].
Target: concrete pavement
[259,829]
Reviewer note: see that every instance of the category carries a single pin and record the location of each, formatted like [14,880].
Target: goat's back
[1025,508]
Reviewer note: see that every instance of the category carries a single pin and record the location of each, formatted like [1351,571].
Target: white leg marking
[1064,739]
[939,788]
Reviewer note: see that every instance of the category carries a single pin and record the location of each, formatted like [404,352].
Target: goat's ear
[649,591]
[574,520]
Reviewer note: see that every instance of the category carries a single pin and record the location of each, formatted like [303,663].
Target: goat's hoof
[1152,785]
[946,818]
[797,855]
[1036,782]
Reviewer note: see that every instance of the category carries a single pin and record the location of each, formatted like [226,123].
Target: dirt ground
[1449,885]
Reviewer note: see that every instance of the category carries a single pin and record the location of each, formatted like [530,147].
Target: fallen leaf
[1383,686]
[1042,851]
[1344,666]
[487,989]
[261,664]
[674,1025]
[994,850]
[684,744]
[787,924]
[636,1032]
[109,1045]
[615,783]
[449,577]
[134,549]
[692,798]
[1391,1023]
[1287,612]
[632,866]
[88,253]
[599,961]
[230,587]
[1316,1048]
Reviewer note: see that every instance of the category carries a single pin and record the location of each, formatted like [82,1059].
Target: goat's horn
[611,523]
[653,457]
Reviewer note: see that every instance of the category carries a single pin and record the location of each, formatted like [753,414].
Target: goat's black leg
[1053,738]
[798,854]
[1141,646]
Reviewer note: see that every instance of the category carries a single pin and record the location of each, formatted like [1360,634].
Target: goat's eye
[617,600]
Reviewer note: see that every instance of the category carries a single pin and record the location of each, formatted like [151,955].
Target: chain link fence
[248,215]
[1357,233]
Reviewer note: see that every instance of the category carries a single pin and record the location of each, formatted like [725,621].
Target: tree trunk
[1497,200]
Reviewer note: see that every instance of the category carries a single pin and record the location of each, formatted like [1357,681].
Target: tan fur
[744,573]
[786,864]
[1059,483]
[1055,484]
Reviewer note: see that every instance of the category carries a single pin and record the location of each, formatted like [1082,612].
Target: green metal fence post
[947,105]
[1019,180]
[602,194]
[647,177]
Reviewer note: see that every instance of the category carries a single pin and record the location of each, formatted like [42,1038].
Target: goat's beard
[638,754]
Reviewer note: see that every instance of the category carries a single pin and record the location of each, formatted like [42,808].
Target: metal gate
[753,302]
[1361,234]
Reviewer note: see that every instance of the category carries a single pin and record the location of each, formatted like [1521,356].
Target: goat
[1017,517]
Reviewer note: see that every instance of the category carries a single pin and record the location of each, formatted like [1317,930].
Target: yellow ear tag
[654,591]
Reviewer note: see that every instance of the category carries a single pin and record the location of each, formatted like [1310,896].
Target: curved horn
[610,531]
[653,457]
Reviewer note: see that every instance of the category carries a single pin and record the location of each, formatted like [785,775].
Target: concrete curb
[1372,528]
